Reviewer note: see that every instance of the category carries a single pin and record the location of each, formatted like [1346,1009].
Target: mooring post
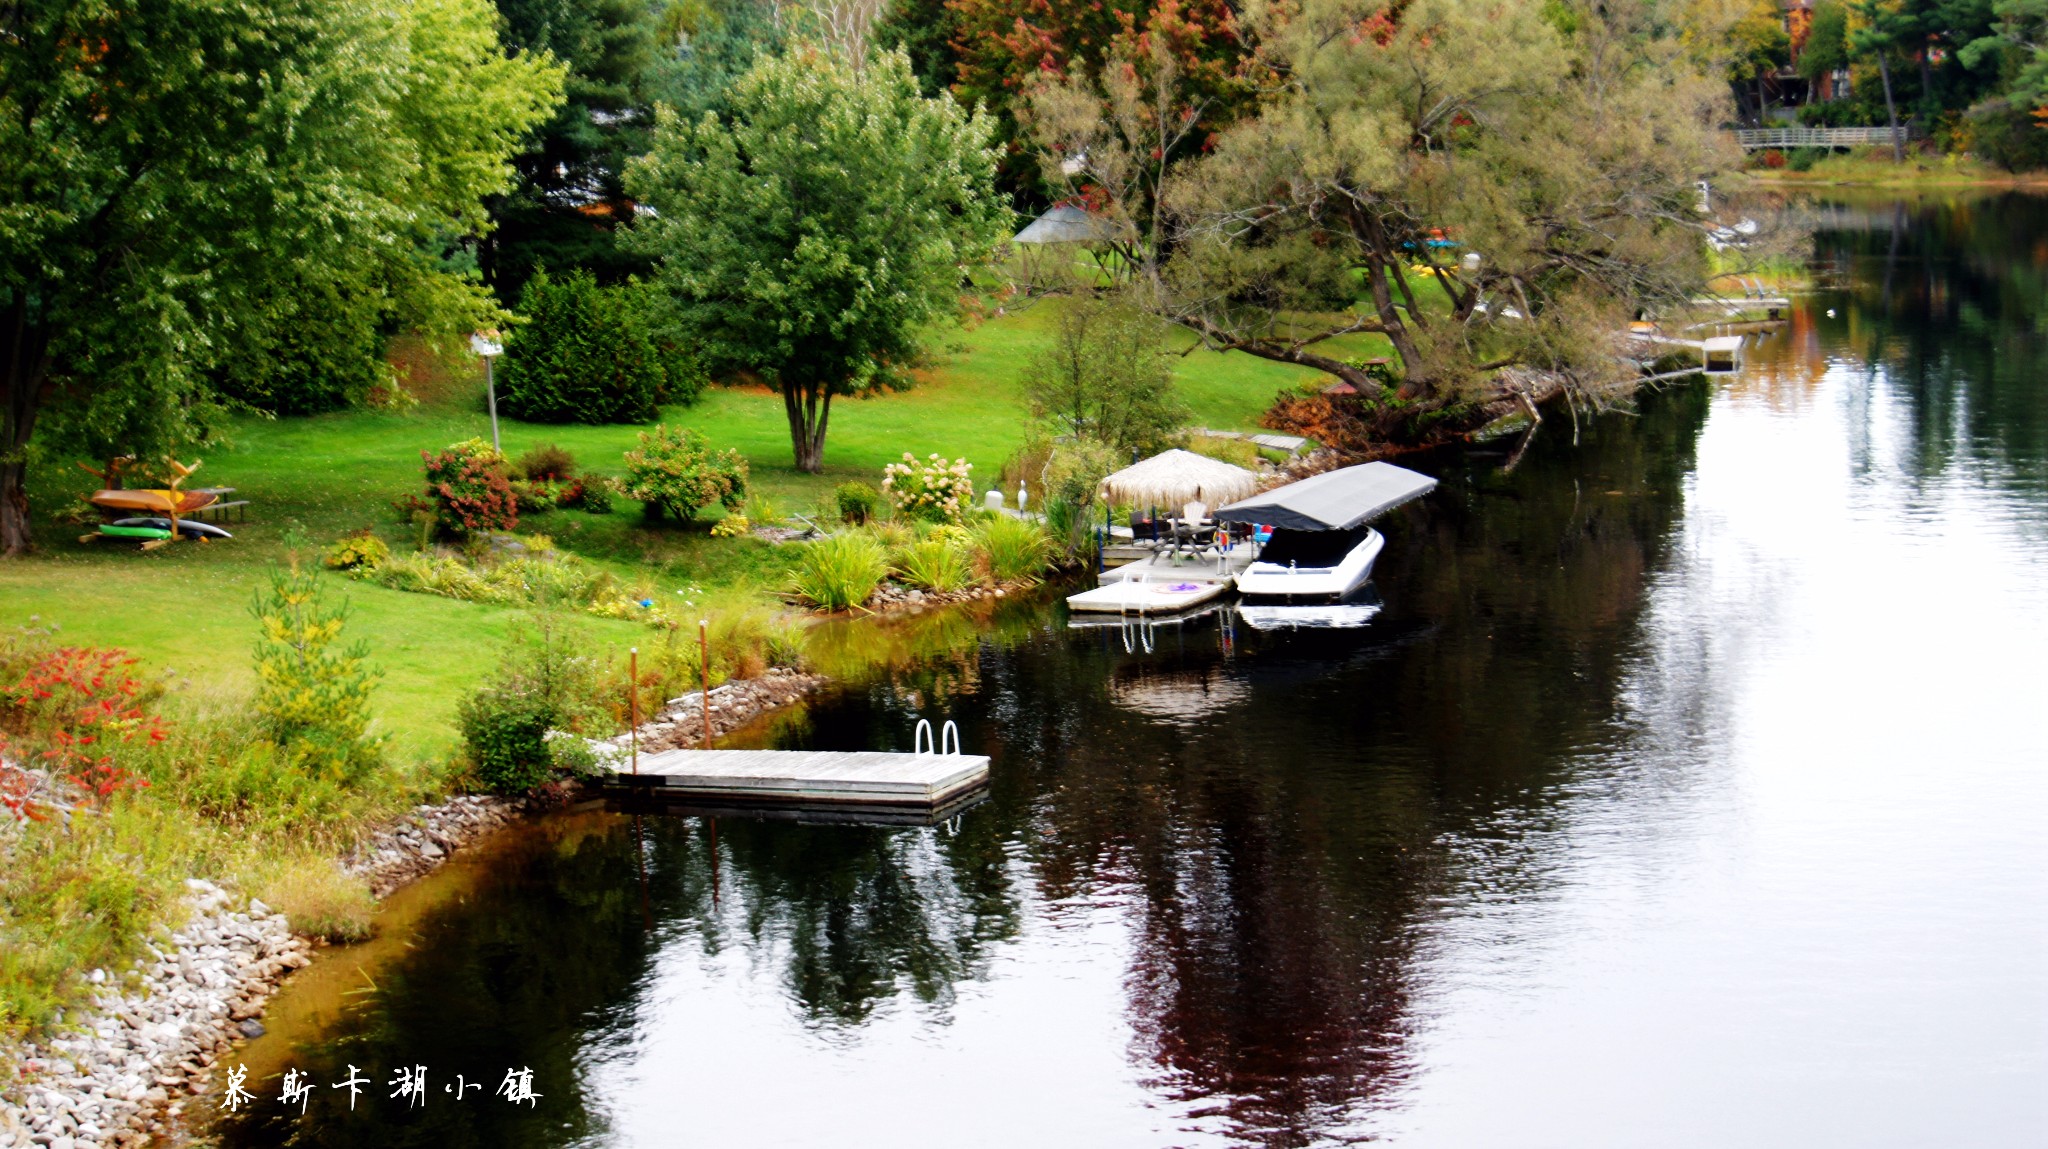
[633,701]
[704,657]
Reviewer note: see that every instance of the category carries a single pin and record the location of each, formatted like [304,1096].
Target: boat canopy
[1332,501]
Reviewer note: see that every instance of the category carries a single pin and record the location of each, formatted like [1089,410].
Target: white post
[487,346]
[491,390]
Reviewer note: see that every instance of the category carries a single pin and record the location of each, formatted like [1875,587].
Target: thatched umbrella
[1172,478]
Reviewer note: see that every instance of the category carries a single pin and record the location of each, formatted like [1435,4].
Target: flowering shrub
[592,493]
[65,710]
[675,472]
[469,489]
[536,495]
[935,489]
[731,526]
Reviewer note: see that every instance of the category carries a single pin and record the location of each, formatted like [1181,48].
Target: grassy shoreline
[75,900]
[1865,169]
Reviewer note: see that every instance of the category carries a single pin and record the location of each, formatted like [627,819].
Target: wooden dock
[858,785]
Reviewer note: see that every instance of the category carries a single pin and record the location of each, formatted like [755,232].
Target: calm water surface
[1689,790]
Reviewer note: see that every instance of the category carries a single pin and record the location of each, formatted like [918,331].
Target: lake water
[1691,789]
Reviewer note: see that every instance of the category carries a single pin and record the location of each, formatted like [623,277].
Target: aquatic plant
[839,571]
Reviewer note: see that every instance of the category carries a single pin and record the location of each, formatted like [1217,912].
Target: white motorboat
[1312,564]
[1320,548]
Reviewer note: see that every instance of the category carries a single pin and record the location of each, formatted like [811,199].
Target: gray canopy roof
[1065,223]
[1334,500]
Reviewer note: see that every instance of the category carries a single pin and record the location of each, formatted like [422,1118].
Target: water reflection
[1298,886]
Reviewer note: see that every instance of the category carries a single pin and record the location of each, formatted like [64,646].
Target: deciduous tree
[1106,376]
[812,233]
[1555,145]
[162,160]
[1002,49]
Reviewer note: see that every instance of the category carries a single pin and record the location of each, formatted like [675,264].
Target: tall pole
[633,702]
[491,391]
[704,656]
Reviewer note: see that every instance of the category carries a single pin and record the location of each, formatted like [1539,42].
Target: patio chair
[1193,531]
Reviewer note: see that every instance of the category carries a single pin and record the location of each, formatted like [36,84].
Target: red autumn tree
[1001,48]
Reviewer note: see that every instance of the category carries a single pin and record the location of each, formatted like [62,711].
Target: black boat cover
[1332,501]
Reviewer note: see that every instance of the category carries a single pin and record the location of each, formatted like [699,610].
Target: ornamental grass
[1010,550]
[840,571]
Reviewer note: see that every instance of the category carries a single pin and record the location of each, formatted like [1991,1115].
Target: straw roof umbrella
[1172,478]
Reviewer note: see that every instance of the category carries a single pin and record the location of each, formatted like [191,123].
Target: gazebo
[1065,223]
[1176,477]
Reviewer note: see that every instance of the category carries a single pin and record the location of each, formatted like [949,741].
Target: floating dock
[1155,582]
[1134,596]
[861,785]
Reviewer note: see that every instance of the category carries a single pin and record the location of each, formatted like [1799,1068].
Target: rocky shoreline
[422,840]
[121,1074]
[890,597]
[680,726]
[121,1071]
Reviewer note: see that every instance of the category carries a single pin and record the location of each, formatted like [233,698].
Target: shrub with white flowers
[934,490]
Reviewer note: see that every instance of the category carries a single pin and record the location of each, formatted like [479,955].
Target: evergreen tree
[582,356]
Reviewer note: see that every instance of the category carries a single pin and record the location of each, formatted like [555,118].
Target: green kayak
[119,532]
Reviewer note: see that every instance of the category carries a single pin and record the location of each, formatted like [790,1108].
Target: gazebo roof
[1064,223]
[1172,478]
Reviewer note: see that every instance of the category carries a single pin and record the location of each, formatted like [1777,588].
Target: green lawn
[185,607]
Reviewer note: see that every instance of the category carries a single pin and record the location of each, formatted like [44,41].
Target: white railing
[948,743]
[1757,139]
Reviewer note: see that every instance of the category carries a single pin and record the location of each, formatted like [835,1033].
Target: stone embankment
[423,839]
[733,705]
[121,1071]
[890,597]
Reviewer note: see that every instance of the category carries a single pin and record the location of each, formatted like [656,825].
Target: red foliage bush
[1774,159]
[1339,421]
[65,711]
[470,489]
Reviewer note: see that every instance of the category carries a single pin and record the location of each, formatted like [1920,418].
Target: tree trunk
[809,406]
[24,369]
[1891,109]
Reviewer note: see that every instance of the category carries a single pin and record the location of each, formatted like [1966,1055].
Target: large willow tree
[167,167]
[1557,143]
